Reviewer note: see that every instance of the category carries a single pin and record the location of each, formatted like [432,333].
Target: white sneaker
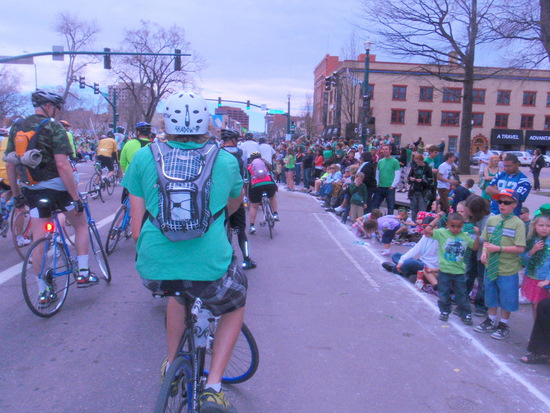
[385,252]
[339,209]
[22,241]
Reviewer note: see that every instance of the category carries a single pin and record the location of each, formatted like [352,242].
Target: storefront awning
[506,137]
[537,138]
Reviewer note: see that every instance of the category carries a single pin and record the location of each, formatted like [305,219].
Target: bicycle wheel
[68,230]
[268,216]
[115,231]
[46,283]
[110,186]
[176,390]
[244,360]
[21,233]
[102,265]
[94,187]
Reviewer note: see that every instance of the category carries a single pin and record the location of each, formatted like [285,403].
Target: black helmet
[228,134]
[143,128]
[120,129]
[42,97]
[255,155]
[110,134]
[249,136]
[262,140]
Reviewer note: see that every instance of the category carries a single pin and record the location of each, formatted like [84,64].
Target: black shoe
[388,266]
[248,264]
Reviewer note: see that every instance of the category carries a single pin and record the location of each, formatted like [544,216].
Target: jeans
[536,180]
[298,173]
[307,177]
[418,203]
[371,190]
[387,194]
[476,270]
[458,282]
[409,267]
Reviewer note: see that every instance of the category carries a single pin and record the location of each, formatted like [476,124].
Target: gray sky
[255,50]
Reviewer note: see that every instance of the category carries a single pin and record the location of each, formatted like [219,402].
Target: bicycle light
[49,227]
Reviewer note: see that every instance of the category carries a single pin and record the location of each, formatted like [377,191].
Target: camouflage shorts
[221,296]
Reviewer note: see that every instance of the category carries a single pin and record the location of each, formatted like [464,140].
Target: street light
[366,96]
[288,116]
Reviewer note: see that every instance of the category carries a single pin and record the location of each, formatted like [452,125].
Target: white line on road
[348,255]
[14,270]
[462,330]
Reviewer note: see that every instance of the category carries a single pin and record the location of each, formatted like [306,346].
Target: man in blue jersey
[511,178]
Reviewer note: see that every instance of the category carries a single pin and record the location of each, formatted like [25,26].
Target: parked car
[524,157]
[547,160]
[475,158]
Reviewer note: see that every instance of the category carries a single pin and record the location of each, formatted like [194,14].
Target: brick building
[236,114]
[511,109]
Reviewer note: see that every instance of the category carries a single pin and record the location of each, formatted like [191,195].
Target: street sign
[19,61]
[276,112]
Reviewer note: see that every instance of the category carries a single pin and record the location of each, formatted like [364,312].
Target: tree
[148,78]
[525,25]
[12,103]
[78,34]
[446,34]
[307,115]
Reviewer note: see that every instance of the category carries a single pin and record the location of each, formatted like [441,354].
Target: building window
[424,117]
[452,94]
[477,119]
[426,94]
[478,96]
[453,142]
[547,122]
[396,139]
[450,118]
[398,116]
[529,98]
[371,91]
[527,121]
[548,99]
[503,97]
[399,92]
[501,120]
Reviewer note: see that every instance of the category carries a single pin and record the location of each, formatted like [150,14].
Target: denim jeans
[458,282]
[298,173]
[307,177]
[387,194]
[476,270]
[418,203]
[371,190]
[409,267]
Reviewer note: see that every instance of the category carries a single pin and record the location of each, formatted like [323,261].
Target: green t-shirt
[513,234]
[291,161]
[387,168]
[201,259]
[130,149]
[452,250]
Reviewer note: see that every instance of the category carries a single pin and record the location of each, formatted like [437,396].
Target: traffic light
[247,105]
[107,58]
[334,81]
[177,60]
[292,125]
[327,83]
[82,82]
[96,88]
[219,102]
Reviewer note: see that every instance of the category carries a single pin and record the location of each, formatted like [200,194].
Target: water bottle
[419,279]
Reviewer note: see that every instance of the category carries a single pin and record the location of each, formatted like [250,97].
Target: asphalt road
[336,333]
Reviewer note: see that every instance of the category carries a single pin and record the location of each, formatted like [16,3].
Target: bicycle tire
[115,231]
[94,187]
[100,256]
[110,186]
[22,226]
[270,220]
[176,389]
[244,360]
[55,272]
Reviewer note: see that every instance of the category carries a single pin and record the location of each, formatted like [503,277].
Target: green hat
[543,210]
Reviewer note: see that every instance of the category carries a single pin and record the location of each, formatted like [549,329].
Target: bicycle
[121,226]
[269,219]
[185,379]
[6,215]
[95,185]
[57,265]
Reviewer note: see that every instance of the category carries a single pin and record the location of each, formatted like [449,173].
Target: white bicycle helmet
[186,113]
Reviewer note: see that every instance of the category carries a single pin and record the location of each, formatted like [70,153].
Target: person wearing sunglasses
[504,241]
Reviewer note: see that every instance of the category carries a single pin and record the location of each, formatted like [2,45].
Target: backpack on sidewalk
[184,181]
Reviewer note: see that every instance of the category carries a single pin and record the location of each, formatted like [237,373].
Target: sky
[254,50]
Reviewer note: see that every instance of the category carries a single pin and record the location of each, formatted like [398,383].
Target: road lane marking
[366,275]
[14,270]
[461,329]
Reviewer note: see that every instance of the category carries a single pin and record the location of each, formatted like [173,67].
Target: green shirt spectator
[387,168]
